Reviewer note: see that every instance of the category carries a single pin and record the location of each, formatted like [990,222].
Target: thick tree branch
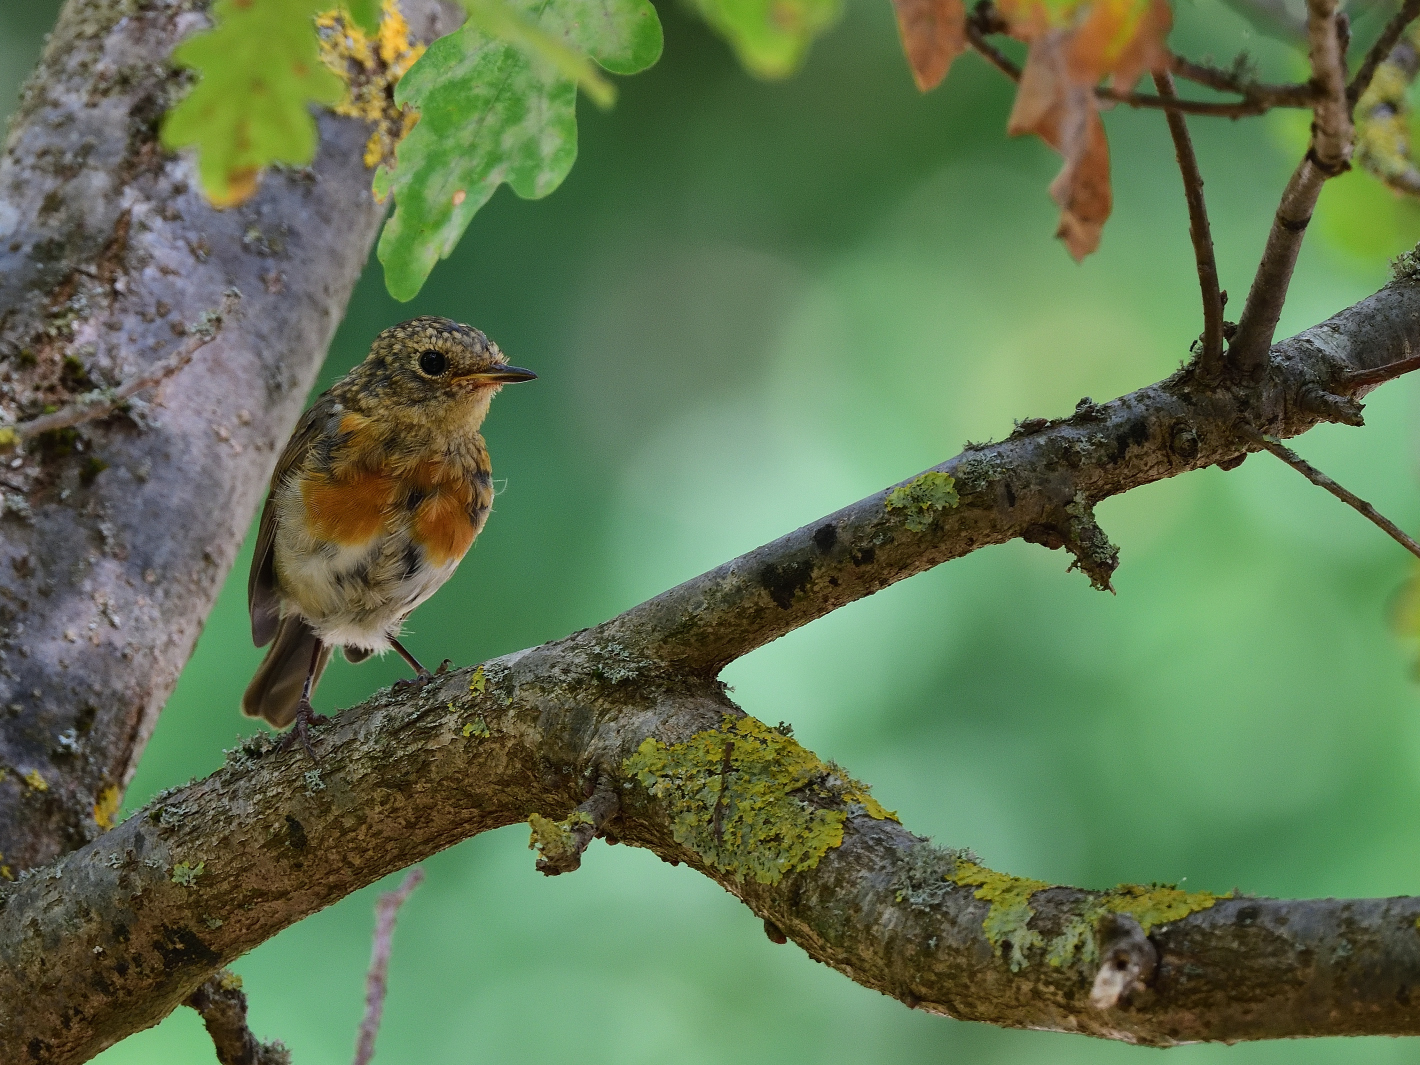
[110,938]
[1328,156]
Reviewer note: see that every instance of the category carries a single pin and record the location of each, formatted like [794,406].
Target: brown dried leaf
[933,34]
[1061,110]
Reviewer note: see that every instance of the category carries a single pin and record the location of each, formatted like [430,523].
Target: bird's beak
[503,375]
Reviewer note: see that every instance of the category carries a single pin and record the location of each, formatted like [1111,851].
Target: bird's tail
[275,690]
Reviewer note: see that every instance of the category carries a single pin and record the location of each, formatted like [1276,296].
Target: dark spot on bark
[121,968]
[1402,995]
[86,719]
[833,582]
[140,842]
[774,932]
[38,1049]
[120,933]
[1247,915]
[825,537]
[783,582]
[1133,435]
[1232,463]
[295,834]
[864,556]
[1010,495]
[181,948]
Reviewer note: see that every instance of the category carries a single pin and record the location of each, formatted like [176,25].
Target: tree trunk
[118,534]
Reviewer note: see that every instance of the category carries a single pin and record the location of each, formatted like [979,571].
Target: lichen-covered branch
[110,938]
[115,935]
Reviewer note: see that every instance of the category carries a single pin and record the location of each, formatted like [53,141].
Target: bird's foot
[424,677]
[306,718]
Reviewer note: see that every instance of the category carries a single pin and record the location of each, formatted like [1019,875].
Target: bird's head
[435,369]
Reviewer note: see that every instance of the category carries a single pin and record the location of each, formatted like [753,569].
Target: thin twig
[1300,94]
[1408,13]
[994,55]
[223,1008]
[1321,480]
[1210,362]
[104,401]
[1379,375]
[386,910]
[1328,156]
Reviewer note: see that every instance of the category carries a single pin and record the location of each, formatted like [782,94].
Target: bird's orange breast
[352,509]
[442,523]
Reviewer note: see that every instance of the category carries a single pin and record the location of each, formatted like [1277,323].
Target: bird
[380,492]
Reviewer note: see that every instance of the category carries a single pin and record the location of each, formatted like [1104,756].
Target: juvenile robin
[379,493]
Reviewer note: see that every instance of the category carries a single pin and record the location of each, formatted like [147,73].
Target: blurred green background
[751,304]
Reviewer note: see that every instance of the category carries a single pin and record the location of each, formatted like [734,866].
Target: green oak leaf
[491,112]
[771,37]
[260,70]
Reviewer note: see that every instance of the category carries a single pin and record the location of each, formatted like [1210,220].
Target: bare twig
[386,910]
[1262,95]
[1321,480]
[1390,36]
[223,1009]
[1328,156]
[1211,360]
[1379,375]
[104,401]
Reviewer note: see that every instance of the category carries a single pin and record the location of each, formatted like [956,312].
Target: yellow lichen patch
[5,870]
[478,683]
[35,781]
[106,806]
[749,799]
[922,498]
[1150,906]
[553,839]
[1008,920]
[9,437]
[370,70]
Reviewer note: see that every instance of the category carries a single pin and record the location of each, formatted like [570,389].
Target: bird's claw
[306,718]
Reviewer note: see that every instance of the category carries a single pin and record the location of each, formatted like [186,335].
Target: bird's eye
[433,363]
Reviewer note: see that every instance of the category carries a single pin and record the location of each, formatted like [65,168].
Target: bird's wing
[263,597]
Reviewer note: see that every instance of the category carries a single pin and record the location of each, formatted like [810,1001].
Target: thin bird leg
[306,715]
[424,676]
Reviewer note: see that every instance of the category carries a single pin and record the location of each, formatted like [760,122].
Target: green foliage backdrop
[750,304]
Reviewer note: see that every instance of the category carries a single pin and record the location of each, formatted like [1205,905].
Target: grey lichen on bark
[108,256]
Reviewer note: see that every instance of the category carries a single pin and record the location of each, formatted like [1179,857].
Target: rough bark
[109,939]
[108,256]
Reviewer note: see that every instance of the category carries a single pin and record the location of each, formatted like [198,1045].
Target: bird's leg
[306,715]
[424,676]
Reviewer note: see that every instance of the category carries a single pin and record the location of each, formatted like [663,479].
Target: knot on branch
[1079,533]
[560,844]
[1128,961]
[223,1008]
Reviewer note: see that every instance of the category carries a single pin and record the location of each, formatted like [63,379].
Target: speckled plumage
[381,490]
